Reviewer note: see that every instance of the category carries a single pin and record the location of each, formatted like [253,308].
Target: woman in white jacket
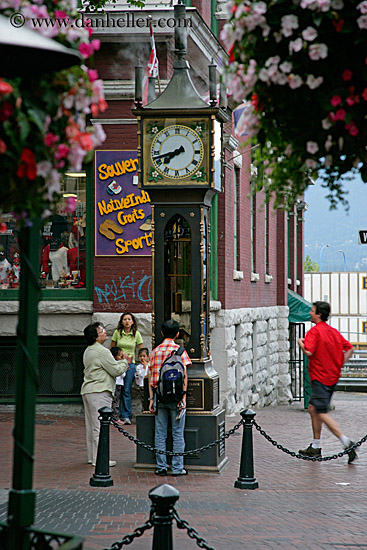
[100,372]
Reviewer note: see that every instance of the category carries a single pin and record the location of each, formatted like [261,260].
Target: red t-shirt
[327,346]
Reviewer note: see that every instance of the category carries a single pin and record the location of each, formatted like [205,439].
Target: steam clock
[179,155]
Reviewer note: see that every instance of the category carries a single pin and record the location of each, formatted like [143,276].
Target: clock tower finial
[180,30]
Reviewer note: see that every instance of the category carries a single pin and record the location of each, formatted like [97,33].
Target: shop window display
[62,243]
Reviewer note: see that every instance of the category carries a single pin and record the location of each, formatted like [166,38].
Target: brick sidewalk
[298,503]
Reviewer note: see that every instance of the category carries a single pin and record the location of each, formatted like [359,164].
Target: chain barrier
[181,524]
[138,532]
[191,532]
[226,435]
[312,458]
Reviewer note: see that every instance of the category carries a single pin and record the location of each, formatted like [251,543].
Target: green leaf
[23,126]
[37,117]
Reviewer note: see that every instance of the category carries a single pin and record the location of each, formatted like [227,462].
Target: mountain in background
[337,228]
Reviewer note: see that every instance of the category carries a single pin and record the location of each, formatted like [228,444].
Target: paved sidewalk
[298,503]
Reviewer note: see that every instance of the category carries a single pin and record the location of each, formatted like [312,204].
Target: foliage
[45,129]
[310,265]
[302,66]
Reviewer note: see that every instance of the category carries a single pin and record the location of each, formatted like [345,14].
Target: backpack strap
[178,351]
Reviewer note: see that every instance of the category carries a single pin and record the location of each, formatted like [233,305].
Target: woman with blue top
[128,338]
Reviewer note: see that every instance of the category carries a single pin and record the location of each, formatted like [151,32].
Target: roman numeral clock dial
[177,152]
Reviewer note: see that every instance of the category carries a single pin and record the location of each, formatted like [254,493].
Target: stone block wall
[250,353]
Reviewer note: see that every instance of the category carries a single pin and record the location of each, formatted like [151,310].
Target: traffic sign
[362,237]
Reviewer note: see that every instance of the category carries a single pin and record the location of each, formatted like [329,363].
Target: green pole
[22,498]
[306,383]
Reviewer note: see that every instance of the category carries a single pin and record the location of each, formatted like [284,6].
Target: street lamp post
[321,251]
[345,266]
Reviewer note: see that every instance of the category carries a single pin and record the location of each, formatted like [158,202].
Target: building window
[253,229]
[63,240]
[266,237]
[236,184]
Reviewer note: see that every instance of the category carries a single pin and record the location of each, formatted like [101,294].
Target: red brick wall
[204,8]
[244,293]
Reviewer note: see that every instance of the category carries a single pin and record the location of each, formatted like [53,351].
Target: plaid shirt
[159,355]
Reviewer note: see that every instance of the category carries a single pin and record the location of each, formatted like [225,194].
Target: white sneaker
[90,461]
[126,421]
[112,463]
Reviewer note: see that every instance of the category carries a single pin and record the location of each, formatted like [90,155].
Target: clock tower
[179,152]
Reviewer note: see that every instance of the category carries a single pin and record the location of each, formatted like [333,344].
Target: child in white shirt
[141,371]
[118,354]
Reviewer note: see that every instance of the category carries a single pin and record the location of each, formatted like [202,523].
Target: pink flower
[86,50]
[3,147]
[294,81]
[92,75]
[362,22]
[318,51]
[60,14]
[347,75]
[51,139]
[5,87]
[85,141]
[335,100]
[312,147]
[70,204]
[352,128]
[313,81]
[62,151]
[96,44]
[309,34]
[6,111]
[364,94]
[340,114]
[362,7]
[295,45]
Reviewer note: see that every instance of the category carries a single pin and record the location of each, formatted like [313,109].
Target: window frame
[60,294]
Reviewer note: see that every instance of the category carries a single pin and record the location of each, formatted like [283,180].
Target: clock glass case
[176,150]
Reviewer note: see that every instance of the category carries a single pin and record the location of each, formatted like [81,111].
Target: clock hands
[170,155]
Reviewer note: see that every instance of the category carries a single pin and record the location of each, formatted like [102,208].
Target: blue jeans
[161,428]
[125,403]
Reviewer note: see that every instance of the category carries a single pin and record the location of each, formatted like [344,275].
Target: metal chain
[171,453]
[192,533]
[138,532]
[297,455]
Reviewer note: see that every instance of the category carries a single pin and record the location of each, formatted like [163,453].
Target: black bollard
[163,499]
[101,476]
[246,479]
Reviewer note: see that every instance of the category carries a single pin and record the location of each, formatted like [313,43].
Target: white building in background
[347,294]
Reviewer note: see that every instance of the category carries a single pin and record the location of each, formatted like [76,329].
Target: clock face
[177,151]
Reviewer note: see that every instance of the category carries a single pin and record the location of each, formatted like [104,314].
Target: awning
[299,308]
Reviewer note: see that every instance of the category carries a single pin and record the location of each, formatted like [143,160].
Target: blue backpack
[171,378]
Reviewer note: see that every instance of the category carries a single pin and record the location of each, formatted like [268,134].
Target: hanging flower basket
[302,65]
[45,127]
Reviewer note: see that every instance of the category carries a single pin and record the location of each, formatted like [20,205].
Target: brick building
[256,252]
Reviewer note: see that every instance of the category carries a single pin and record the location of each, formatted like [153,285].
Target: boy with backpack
[167,379]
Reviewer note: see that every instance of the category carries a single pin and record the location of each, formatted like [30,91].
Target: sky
[337,228]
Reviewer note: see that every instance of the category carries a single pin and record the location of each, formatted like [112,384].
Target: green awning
[299,308]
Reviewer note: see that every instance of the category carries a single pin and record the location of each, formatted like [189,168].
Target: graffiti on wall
[125,288]
[123,212]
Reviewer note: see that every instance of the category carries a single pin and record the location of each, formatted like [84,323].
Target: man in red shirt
[327,351]
[170,331]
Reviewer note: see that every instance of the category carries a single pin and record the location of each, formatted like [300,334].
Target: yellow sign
[364,283]
[364,326]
